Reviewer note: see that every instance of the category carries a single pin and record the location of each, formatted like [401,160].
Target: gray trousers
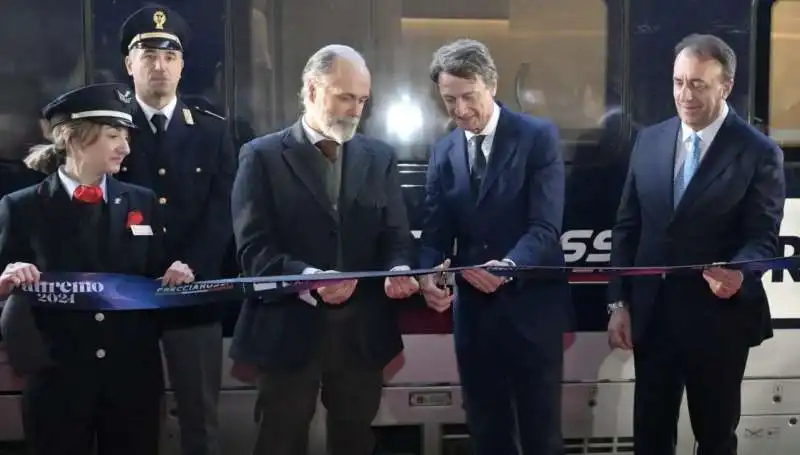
[351,394]
[194,365]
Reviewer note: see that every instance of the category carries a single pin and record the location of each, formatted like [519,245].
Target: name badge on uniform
[141,229]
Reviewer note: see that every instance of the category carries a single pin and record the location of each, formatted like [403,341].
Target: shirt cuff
[510,262]
[398,268]
[306,296]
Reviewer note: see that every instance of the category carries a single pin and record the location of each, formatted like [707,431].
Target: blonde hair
[72,134]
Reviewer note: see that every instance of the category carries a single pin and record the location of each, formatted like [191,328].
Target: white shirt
[149,112]
[70,184]
[707,135]
[489,131]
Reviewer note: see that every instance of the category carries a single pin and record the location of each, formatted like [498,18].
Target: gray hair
[321,64]
[710,47]
[466,59]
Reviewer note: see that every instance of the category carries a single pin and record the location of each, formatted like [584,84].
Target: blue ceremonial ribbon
[114,292]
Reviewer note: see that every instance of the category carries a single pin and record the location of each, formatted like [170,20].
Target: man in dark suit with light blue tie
[703,187]
[495,186]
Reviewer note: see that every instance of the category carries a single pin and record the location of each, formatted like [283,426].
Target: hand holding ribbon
[15,275]
[337,292]
[724,283]
[400,287]
[483,280]
[177,273]
[434,289]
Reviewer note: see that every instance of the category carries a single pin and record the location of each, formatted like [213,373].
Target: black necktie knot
[159,121]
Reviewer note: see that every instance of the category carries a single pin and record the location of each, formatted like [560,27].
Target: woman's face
[105,155]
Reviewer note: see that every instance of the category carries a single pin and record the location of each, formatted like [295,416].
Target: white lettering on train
[576,245]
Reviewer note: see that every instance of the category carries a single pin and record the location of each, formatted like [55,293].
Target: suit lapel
[663,168]
[118,205]
[503,147]
[297,154]
[355,166]
[720,154]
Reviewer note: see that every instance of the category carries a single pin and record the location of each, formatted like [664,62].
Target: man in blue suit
[495,185]
[703,187]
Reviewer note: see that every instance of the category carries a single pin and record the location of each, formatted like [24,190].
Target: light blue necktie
[690,165]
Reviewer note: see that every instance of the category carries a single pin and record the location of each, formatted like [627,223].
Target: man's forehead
[452,85]
[354,82]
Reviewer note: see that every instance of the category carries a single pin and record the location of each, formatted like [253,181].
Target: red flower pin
[134,217]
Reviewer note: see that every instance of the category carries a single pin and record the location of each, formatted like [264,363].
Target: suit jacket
[38,226]
[283,222]
[517,215]
[191,172]
[730,211]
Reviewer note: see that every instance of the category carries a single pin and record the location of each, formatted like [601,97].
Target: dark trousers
[351,394]
[700,350]
[68,411]
[511,385]
[194,363]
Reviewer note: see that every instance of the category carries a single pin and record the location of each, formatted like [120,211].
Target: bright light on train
[404,119]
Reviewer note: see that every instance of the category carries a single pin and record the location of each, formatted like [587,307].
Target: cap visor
[113,121]
[159,43]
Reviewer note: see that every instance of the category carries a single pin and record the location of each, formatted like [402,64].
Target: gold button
[100,353]
[162,200]
[99,317]
[162,171]
[198,170]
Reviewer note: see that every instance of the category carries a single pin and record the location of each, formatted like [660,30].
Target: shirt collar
[708,133]
[167,110]
[70,184]
[491,125]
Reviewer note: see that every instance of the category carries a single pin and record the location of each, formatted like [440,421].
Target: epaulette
[207,112]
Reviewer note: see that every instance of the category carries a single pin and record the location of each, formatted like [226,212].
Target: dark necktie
[328,148]
[88,194]
[478,163]
[159,120]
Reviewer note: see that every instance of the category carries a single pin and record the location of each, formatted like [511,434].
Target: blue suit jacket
[517,215]
[730,211]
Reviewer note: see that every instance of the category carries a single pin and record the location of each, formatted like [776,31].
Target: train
[600,69]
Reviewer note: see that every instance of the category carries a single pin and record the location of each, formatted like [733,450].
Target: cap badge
[159,18]
[126,97]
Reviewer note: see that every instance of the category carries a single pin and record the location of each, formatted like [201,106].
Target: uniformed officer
[104,380]
[186,156]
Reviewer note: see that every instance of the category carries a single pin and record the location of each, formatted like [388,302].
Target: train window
[42,58]
[551,56]
[784,92]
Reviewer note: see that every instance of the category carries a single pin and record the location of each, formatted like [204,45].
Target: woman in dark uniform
[104,380]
